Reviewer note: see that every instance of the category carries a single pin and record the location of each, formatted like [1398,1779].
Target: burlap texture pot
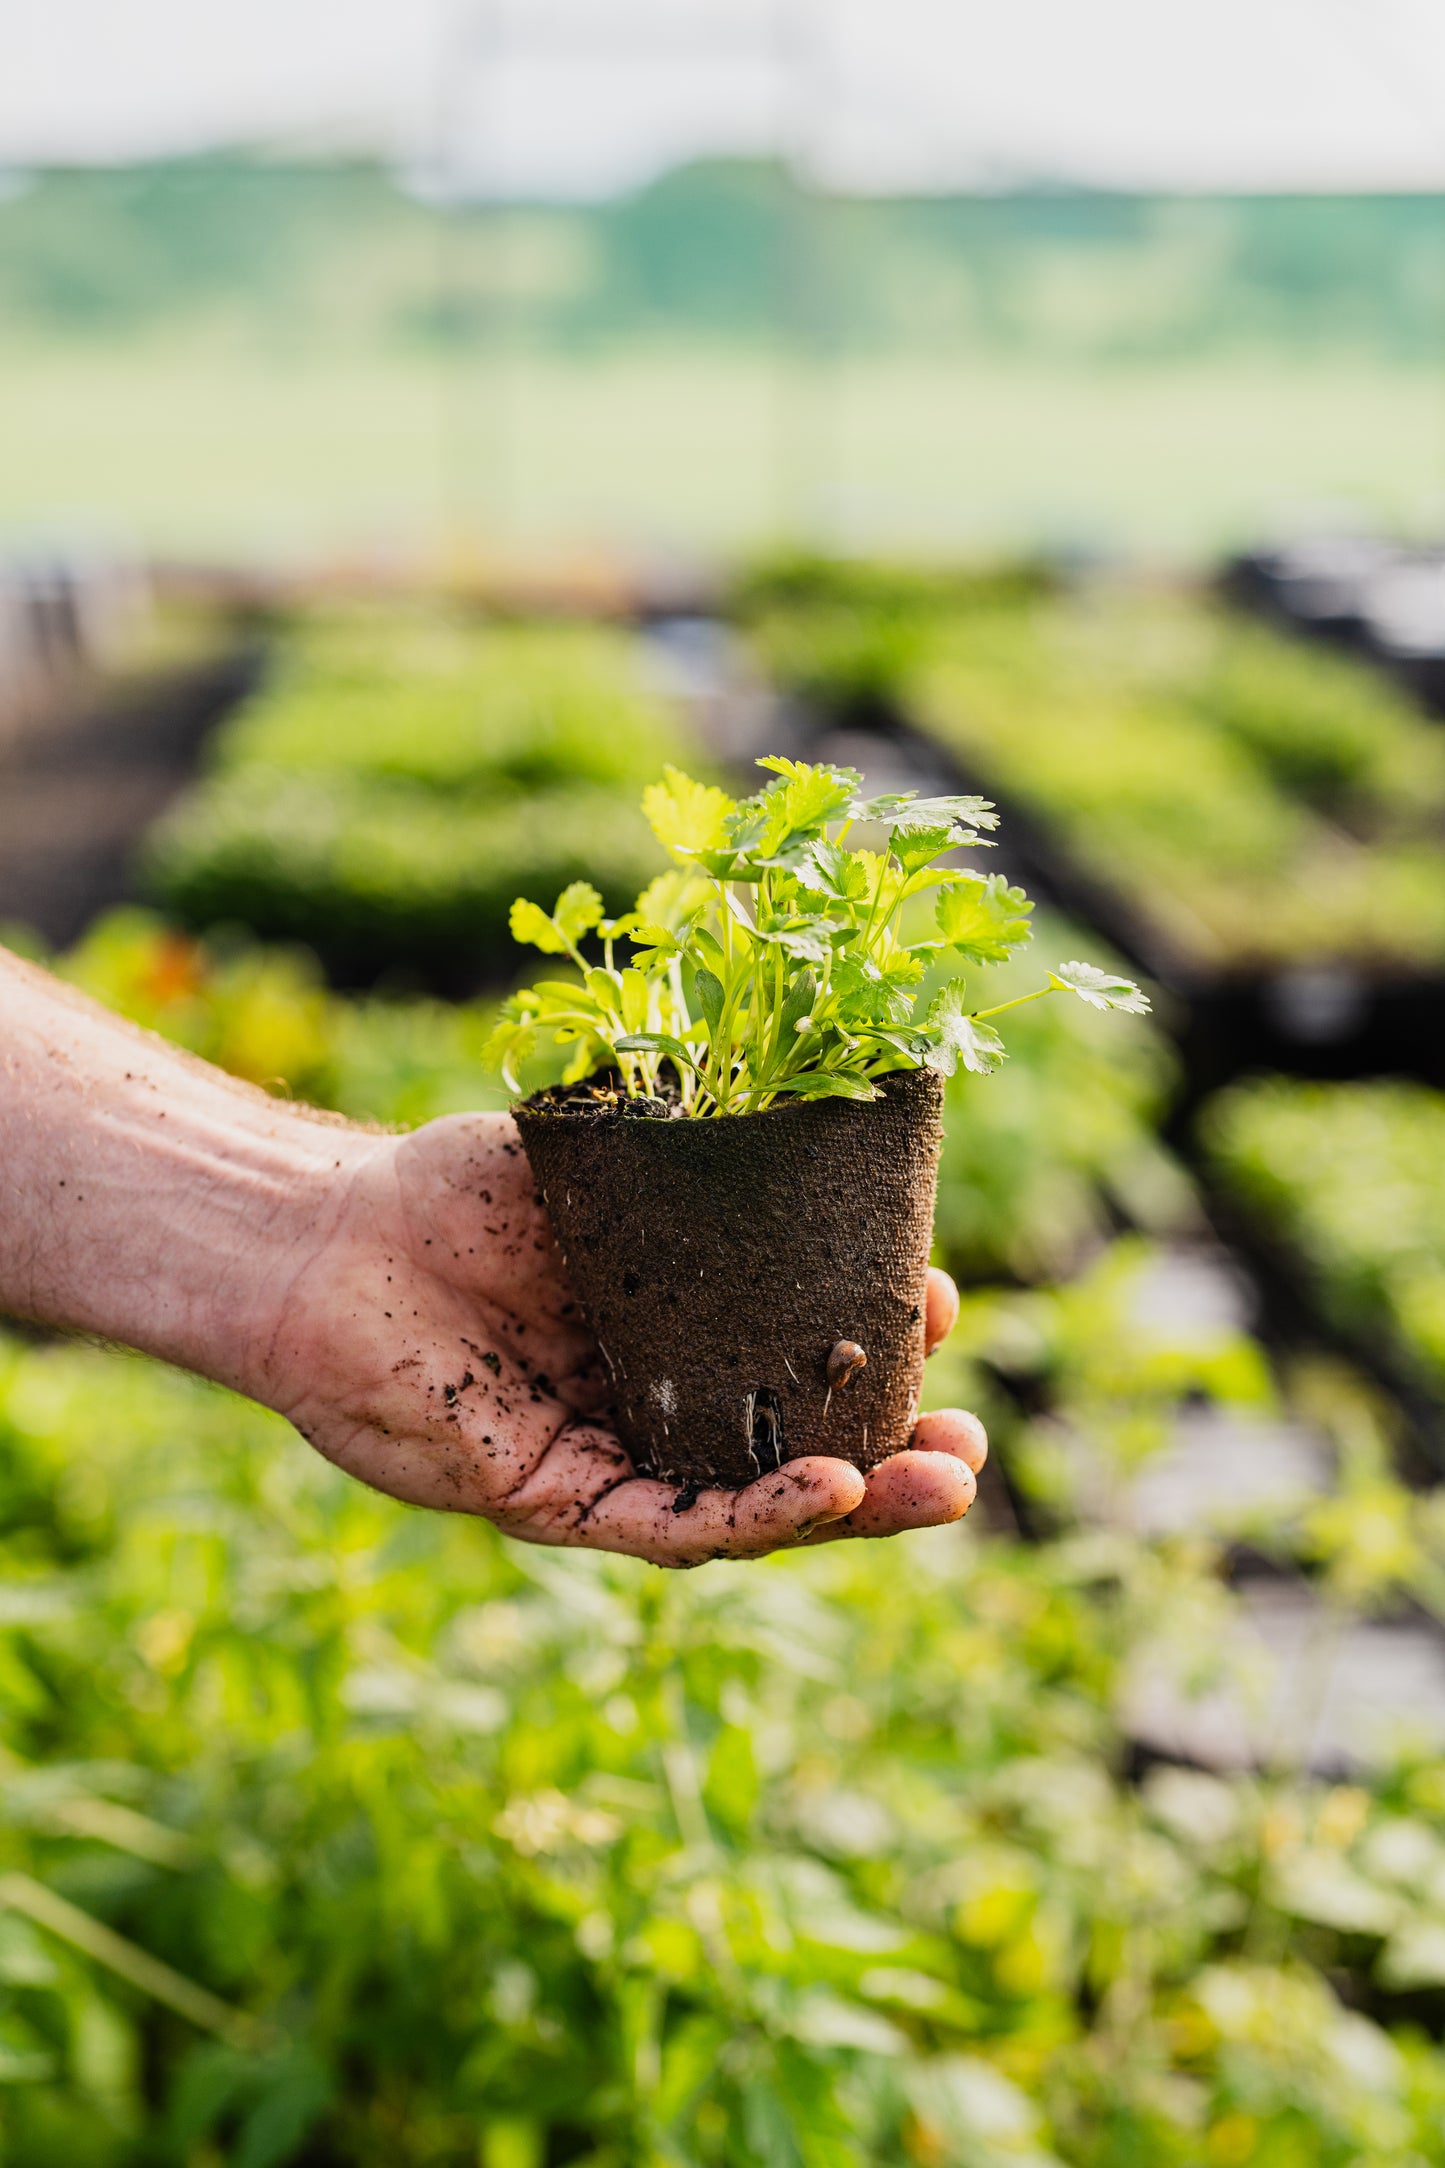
[725,1264]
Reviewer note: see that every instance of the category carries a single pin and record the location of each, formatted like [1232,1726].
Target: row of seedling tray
[1380,599]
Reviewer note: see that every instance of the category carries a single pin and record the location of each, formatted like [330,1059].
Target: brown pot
[733,1268]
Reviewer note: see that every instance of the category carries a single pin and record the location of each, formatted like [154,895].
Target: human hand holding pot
[400,1299]
[432,1346]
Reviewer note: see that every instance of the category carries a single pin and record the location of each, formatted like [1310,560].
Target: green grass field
[207,445]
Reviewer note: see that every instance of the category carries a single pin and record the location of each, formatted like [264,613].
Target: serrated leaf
[916,847]
[874,995]
[828,870]
[804,943]
[984,918]
[579,909]
[507,1047]
[799,806]
[958,1037]
[657,946]
[1101,989]
[906,809]
[687,817]
[530,923]
[670,899]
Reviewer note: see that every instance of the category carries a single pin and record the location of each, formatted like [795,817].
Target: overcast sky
[558,97]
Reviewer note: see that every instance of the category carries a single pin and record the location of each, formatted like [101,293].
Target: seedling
[773,960]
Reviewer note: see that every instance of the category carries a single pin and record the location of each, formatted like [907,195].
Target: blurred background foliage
[298,249]
[263,353]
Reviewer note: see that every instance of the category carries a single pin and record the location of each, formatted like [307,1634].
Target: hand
[427,1341]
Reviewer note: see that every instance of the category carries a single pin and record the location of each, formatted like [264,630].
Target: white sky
[556,97]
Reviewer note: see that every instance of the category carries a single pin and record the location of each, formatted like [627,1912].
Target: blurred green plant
[1324,727]
[384,877]
[1315,793]
[464,705]
[1093,713]
[361,1836]
[844,632]
[1352,1178]
[404,773]
[1043,1159]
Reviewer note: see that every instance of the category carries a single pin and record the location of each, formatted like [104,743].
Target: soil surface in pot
[725,1265]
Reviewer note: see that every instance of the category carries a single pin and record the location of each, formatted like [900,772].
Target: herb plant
[776,958]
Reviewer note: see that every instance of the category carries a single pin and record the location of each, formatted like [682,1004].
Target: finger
[579,1496]
[952,1430]
[911,1490]
[940,1309]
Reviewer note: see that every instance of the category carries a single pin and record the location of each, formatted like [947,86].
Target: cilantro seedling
[771,961]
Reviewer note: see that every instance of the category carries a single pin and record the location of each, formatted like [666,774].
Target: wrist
[146,1197]
[254,1203]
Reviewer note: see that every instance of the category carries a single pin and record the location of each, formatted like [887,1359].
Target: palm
[430,1345]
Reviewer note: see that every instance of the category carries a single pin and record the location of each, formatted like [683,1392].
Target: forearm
[143,1195]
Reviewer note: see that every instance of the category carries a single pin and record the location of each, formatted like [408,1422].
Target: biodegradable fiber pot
[733,1268]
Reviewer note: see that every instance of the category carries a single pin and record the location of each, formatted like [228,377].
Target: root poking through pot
[765,1430]
[846,1357]
[757,1281]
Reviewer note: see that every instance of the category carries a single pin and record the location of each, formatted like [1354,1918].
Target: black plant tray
[77,796]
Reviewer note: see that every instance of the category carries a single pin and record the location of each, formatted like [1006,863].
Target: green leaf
[828,1084]
[914,1046]
[687,817]
[797,1004]
[958,1037]
[671,899]
[710,997]
[801,805]
[905,809]
[605,987]
[803,942]
[507,1047]
[874,994]
[579,909]
[591,1051]
[915,848]
[656,1042]
[634,1000]
[530,923]
[984,918]
[828,870]
[656,946]
[1101,989]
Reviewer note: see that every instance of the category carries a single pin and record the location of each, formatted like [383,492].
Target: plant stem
[1017,1003]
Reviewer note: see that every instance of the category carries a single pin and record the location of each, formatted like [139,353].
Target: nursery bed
[76,798]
